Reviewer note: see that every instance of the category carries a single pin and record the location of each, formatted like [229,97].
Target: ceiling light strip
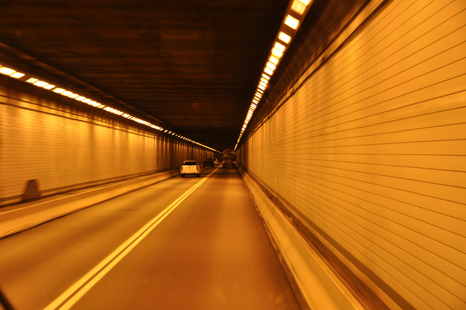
[6,70]
[294,16]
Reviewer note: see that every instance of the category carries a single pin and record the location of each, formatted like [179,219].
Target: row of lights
[39,83]
[290,24]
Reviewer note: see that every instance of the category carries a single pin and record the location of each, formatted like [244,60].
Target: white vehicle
[190,167]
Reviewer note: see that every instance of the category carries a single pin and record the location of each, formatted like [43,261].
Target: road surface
[185,243]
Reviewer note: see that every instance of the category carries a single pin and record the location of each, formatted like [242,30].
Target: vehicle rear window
[189,163]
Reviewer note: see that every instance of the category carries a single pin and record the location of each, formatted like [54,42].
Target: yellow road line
[77,290]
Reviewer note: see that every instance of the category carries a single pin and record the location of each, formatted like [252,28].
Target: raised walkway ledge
[19,217]
[318,285]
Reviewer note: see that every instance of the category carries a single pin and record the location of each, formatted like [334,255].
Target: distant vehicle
[229,159]
[215,161]
[190,167]
[208,162]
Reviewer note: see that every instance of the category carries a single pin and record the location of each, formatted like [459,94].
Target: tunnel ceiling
[193,65]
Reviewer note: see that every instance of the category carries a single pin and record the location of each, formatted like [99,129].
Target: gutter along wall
[51,144]
[366,155]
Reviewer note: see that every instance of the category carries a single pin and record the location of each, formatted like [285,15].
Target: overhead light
[260,91]
[87,100]
[284,37]
[254,105]
[81,98]
[73,95]
[50,86]
[261,87]
[291,22]
[17,75]
[273,60]
[271,66]
[255,101]
[7,71]
[263,84]
[306,2]
[41,83]
[32,80]
[266,76]
[58,90]
[276,52]
[279,46]
[268,71]
[264,80]
[298,6]
[66,93]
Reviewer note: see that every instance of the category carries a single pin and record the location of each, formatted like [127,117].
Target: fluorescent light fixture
[261,87]
[58,90]
[277,53]
[284,37]
[32,80]
[264,80]
[50,86]
[306,2]
[101,106]
[291,22]
[7,71]
[298,6]
[279,46]
[17,75]
[81,98]
[268,71]
[73,95]
[266,76]
[254,106]
[66,93]
[87,100]
[41,83]
[260,91]
[263,84]
[255,101]
[273,60]
[271,66]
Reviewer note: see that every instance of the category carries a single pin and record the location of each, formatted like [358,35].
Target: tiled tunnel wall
[368,154]
[64,144]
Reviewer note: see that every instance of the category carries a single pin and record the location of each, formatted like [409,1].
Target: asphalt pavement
[185,243]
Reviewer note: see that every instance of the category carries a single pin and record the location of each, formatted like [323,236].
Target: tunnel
[247,154]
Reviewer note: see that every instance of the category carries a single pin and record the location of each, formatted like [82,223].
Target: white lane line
[77,290]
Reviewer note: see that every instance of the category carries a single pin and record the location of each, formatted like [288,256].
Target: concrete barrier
[22,217]
[319,286]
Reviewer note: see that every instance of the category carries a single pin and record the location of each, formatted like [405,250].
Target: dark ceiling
[192,65]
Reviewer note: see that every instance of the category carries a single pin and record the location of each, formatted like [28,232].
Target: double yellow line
[77,290]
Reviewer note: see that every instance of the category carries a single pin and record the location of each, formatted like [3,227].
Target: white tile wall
[372,149]
[52,140]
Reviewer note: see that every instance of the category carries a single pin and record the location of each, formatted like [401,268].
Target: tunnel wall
[64,145]
[366,153]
